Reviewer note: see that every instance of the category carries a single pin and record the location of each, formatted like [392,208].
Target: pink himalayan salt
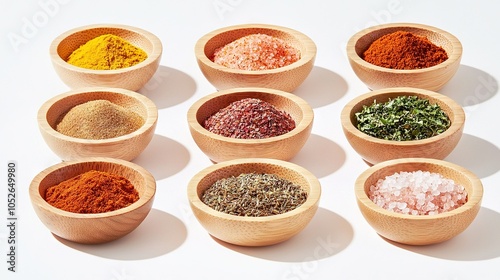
[417,193]
[256,52]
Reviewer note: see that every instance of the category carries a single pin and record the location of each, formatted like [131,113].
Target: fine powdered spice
[99,119]
[92,192]
[404,50]
[403,118]
[418,193]
[107,52]
[256,52]
[254,195]
[250,118]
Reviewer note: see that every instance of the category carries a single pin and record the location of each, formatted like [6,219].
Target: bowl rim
[147,196]
[153,56]
[305,41]
[456,124]
[313,196]
[149,122]
[456,53]
[472,199]
[306,109]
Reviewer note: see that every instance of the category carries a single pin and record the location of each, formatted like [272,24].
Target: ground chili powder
[404,50]
[92,192]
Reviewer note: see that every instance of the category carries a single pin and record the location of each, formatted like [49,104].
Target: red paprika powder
[92,192]
[404,50]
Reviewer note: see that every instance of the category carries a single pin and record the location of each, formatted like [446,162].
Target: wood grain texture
[219,148]
[286,78]
[375,150]
[254,231]
[424,229]
[93,228]
[126,147]
[132,78]
[431,78]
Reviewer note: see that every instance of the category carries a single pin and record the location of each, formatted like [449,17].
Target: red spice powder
[256,52]
[92,192]
[404,50]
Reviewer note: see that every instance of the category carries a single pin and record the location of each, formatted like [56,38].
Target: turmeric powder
[107,52]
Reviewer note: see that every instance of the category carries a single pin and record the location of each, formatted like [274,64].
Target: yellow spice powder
[99,119]
[107,52]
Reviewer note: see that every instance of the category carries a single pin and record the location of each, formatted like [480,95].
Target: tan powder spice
[99,119]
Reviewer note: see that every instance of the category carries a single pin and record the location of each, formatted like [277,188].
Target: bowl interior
[60,107]
[141,181]
[437,38]
[282,103]
[460,175]
[74,40]
[226,37]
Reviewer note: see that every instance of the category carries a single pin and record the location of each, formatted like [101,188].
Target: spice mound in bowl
[255,201]
[93,200]
[255,55]
[250,122]
[418,201]
[402,122]
[105,122]
[106,55]
[404,55]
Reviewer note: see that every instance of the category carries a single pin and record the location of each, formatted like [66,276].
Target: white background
[171,244]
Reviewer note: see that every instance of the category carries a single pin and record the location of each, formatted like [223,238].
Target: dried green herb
[403,118]
[254,195]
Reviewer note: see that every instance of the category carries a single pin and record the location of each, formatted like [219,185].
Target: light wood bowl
[254,231]
[431,78]
[423,229]
[132,78]
[374,150]
[126,147]
[286,78]
[93,228]
[220,148]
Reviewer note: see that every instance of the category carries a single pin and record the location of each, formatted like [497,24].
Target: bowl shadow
[478,242]
[322,87]
[163,157]
[470,87]
[318,147]
[159,234]
[326,235]
[476,154]
[169,87]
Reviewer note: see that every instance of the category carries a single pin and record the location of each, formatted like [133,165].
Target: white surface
[171,244]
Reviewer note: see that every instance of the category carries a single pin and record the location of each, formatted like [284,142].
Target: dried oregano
[402,118]
[254,195]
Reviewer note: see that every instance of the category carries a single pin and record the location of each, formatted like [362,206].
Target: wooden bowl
[132,78]
[220,148]
[286,78]
[422,229]
[254,231]
[125,147]
[93,228]
[431,78]
[374,150]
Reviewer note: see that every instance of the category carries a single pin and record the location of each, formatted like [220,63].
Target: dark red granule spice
[404,50]
[249,118]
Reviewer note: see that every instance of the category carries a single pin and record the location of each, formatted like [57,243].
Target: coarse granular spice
[404,50]
[417,193]
[254,195]
[92,192]
[249,118]
[256,52]
[99,119]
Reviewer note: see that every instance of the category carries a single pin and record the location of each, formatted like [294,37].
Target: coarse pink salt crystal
[417,193]
[256,52]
